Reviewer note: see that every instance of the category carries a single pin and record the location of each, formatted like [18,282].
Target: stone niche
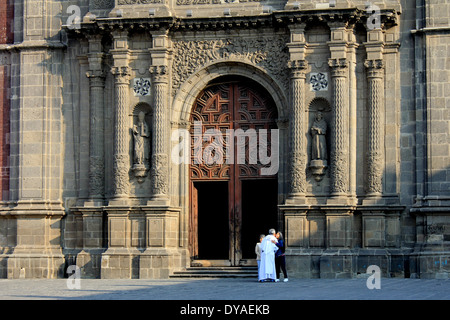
[319,137]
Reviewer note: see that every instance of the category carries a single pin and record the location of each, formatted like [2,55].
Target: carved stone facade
[348,111]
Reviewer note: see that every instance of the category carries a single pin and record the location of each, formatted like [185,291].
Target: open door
[211,241]
[193,223]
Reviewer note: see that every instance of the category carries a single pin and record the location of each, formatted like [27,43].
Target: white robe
[267,266]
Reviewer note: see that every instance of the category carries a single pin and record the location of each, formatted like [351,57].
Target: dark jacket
[281,248]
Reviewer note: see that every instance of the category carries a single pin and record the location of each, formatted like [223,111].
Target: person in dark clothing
[280,259]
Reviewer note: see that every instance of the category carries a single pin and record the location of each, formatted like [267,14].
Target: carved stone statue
[319,144]
[141,135]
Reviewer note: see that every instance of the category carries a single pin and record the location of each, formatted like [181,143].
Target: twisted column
[297,129]
[339,136]
[160,170]
[375,76]
[121,134]
[96,129]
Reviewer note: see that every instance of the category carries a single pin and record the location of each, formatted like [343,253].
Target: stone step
[217,272]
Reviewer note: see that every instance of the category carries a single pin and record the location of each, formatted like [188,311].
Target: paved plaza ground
[224,289]
[223,298]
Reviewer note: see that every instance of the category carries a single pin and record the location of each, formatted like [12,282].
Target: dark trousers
[280,263]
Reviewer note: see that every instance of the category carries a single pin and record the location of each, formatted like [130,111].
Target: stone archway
[232,198]
[183,103]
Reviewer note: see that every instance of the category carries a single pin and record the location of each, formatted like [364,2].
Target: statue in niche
[141,135]
[318,147]
[319,144]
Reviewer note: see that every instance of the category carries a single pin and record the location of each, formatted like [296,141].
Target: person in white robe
[267,269]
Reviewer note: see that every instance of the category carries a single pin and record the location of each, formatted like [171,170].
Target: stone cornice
[348,16]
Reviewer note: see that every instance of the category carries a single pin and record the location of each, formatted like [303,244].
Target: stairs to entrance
[217,272]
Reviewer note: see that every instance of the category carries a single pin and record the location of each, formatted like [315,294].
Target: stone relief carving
[195,2]
[267,53]
[159,174]
[318,81]
[101,4]
[130,2]
[141,134]
[141,87]
[121,166]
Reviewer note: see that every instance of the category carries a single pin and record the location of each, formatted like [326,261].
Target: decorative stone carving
[159,174]
[267,52]
[101,4]
[159,171]
[339,135]
[121,137]
[141,134]
[141,87]
[318,81]
[297,130]
[375,156]
[199,2]
[96,78]
[319,152]
[131,2]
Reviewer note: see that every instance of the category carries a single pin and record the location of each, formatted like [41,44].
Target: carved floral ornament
[267,52]
[132,2]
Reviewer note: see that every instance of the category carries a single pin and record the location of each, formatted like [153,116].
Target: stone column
[375,155]
[121,132]
[96,137]
[339,136]
[160,170]
[297,131]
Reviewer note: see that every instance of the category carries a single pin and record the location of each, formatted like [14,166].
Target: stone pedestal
[143,242]
[37,253]
[89,258]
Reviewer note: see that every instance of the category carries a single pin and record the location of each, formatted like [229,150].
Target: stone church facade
[117,116]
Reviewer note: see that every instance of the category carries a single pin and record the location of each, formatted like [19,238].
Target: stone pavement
[224,289]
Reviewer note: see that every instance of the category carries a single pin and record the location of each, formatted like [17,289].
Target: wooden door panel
[193,222]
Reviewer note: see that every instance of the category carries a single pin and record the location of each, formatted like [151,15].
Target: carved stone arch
[141,106]
[319,104]
[137,108]
[189,90]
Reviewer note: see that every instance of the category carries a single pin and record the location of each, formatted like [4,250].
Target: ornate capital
[338,67]
[298,68]
[375,68]
[159,73]
[96,77]
[121,74]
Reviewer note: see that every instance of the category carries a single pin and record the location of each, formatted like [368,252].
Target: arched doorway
[233,200]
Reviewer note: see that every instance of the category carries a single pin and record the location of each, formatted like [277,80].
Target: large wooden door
[222,112]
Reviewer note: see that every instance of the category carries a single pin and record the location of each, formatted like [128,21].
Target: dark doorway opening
[213,225]
[259,212]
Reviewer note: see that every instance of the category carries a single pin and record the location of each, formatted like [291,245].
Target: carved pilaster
[96,144]
[121,131]
[375,163]
[159,170]
[297,129]
[339,136]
